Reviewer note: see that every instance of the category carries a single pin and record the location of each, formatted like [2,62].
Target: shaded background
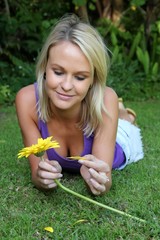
[131,30]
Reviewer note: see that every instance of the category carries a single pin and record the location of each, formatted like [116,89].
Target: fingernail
[91,180]
[81,161]
[107,179]
[90,170]
[60,175]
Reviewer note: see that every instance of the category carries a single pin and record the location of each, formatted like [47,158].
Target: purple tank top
[72,165]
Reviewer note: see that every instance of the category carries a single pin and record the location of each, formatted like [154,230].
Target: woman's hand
[46,173]
[94,172]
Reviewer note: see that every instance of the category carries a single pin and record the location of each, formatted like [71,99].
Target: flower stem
[97,203]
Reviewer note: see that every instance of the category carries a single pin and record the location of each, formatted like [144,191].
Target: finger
[48,175]
[92,162]
[98,187]
[100,177]
[98,165]
[105,177]
[52,185]
[89,163]
[93,190]
[88,157]
[47,181]
[49,186]
[47,166]
[55,164]
[86,175]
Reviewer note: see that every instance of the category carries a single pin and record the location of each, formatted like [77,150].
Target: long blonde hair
[71,28]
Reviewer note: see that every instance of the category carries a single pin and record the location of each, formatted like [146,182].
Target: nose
[67,83]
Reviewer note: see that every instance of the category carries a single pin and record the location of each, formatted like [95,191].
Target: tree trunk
[117,9]
[82,13]
[7,8]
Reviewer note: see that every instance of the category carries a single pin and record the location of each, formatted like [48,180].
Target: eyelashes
[78,77]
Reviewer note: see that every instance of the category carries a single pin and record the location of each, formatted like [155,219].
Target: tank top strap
[41,124]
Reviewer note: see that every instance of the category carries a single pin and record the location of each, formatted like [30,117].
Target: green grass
[24,211]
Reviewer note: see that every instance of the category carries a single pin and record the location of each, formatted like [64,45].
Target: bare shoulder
[110,99]
[110,94]
[26,93]
[26,101]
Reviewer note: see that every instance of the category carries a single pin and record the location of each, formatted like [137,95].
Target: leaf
[140,55]
[146,62]
[134,45]
[92,6]
[115,54]
[138,2]
[155,69]
[79,2]
[114,39]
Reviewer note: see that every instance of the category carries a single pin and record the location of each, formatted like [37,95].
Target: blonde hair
[71,28]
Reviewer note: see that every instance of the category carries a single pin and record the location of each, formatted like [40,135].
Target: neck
[71,115]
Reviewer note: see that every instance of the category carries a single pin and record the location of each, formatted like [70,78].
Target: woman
[71,102]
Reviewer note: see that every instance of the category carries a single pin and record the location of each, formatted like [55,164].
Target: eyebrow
[79,72]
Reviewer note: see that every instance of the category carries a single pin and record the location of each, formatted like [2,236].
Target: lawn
[25,211]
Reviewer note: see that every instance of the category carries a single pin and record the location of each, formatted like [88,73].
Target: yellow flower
[39,148]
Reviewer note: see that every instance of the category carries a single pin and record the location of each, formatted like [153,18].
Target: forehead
[68,52]
[66,47]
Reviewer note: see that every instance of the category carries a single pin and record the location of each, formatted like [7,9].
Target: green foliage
[79,3]
[135,71]
[127,81]
[137,2]
[16,74]
[134,45]
[5,95]
[143,57]
[22,35]
[25,27]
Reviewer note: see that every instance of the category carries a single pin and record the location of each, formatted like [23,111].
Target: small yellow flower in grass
[49,229]
[39,148]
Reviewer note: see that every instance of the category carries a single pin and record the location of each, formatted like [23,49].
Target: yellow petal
[49,229]
[80,221]
[77,158]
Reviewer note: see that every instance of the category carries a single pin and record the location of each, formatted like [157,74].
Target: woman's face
[68,76]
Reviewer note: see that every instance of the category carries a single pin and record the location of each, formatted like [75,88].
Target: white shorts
[130,139]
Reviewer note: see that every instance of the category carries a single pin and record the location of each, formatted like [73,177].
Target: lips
[63,96]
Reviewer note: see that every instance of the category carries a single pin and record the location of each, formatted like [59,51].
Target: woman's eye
[59,73]
[80,78]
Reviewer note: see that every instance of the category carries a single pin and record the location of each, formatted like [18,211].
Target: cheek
[50,82]
[49,86]
[86,87]
[83,91]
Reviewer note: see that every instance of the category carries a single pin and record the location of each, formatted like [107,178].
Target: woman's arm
[42,173]
[96,171]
